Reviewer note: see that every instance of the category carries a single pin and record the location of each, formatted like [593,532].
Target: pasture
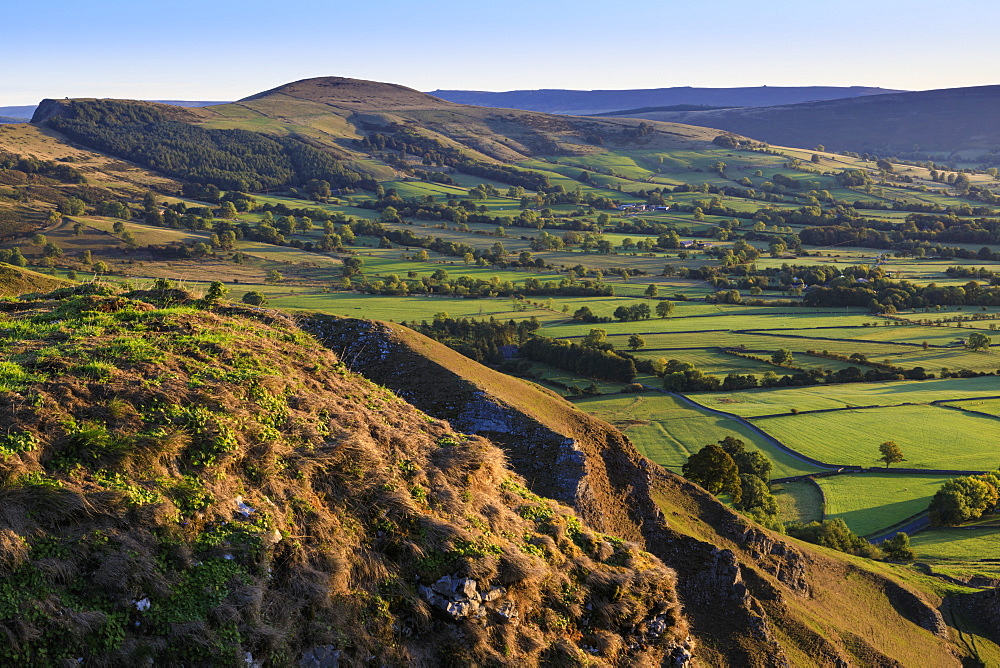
[668,431]
[750,403]
[930,437]
[870,502]
[799,501]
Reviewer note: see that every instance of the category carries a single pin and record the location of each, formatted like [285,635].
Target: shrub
[255,298]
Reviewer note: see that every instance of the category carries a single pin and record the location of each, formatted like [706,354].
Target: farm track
[754,428]
[909,526]
[831,469]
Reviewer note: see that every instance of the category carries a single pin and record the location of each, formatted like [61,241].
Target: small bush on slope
[189,486]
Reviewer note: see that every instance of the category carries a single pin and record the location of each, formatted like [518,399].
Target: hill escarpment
[193,483]
[753,597]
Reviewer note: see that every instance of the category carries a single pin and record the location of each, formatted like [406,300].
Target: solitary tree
[216,291]
[352,266]
[652,290]
[255,298]
[891,453]
[782,357]
[664,308]
[635,342]
[978,341]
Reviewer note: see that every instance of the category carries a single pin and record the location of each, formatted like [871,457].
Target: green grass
[930,437]
[546,372]
[668,431]
[400,308]
[816,397]
[991,406]
[869,502]
[956,544]
[799,501]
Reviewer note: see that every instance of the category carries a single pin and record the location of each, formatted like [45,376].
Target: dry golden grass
[101,170]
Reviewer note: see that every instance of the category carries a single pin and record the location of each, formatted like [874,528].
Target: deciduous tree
[891,453]
[713,468]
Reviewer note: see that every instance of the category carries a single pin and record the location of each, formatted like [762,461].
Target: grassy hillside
[194,484]
[816,604]
[332,114]
[16,281]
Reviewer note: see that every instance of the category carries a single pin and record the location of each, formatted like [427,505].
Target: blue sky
[221,49]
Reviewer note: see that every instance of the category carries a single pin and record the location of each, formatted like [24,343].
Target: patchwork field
[668,431]
[751,403]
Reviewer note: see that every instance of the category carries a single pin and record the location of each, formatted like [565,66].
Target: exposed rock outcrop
[738,582]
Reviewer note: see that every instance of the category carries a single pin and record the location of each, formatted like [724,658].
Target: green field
[930,437]
[668,431]
[869,502]
[545,372]
[799,501]
[752,403]
[957,544]
[990,406]
[410,308]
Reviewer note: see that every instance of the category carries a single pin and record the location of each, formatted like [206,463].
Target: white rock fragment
[243,508]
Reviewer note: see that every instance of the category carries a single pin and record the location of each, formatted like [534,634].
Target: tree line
[230,159]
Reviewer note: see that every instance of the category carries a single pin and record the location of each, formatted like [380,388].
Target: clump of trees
[834,534]
[965,498]
[589,361]
[728,467]
[632,313]
[898,548]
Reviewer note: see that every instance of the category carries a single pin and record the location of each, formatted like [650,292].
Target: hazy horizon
[229,50]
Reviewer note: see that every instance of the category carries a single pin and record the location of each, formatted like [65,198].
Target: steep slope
[953,119]
[185,483]
[555,101]
[753,597]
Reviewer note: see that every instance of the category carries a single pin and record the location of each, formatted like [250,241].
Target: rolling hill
[935,121]
[583,102]
[334,111]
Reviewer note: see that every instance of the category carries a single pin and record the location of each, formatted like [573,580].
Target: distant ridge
[932,121]
[582,102]
[23,113]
